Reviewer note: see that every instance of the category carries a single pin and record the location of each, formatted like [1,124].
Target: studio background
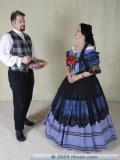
[51,25]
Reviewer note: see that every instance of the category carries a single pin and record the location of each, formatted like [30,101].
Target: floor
[37,143]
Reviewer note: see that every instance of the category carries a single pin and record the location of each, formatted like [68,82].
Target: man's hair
[15,14]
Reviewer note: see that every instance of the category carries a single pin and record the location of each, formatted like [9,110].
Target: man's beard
[22,29]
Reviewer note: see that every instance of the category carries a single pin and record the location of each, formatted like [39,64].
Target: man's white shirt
[6,44]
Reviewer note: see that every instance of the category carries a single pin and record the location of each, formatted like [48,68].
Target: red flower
[71,61]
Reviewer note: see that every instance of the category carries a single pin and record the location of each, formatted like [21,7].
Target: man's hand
[26,59]
[36,60]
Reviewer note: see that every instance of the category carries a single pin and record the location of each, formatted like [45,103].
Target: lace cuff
[94,69]
[92,62]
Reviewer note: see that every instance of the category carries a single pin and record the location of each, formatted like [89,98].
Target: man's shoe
[20,136]
[28,123]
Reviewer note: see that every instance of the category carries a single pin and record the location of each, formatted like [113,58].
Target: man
[16,51]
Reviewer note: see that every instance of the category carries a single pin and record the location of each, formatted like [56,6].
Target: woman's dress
[79,115]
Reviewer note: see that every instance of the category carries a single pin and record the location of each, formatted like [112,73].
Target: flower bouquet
[71,61]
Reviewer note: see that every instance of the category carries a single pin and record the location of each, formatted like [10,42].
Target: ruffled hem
[86,139]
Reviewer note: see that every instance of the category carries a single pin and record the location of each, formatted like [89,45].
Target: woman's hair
[86,30]
[15,14]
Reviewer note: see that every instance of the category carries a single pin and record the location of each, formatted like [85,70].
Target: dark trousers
[22,84]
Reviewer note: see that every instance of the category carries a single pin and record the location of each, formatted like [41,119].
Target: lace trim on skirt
[80,103]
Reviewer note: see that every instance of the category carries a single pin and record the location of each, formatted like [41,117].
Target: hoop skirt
[79,115]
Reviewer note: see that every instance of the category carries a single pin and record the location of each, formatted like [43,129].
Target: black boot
[28,123]
[20,136]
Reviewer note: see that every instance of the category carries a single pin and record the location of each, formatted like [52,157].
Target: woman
[79,115]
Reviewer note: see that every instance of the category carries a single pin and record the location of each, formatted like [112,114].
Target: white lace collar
[88,48]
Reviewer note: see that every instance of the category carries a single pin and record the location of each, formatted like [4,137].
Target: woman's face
[78,33]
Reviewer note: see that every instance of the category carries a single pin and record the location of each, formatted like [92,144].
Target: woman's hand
[68,74]
[74,78]
[71,77]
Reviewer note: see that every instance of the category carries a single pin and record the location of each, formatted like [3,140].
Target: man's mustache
[23,26]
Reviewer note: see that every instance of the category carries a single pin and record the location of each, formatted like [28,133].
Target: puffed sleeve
[92,61]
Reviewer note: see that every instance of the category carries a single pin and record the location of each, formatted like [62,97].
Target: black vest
[20,48]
